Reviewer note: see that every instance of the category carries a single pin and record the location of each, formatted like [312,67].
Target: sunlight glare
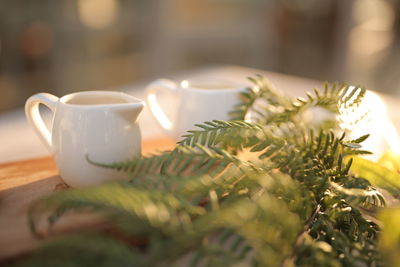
[184,84]
[158,113]
[371,116]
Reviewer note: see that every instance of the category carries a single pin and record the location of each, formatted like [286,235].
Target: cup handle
[35,119]
[152,92]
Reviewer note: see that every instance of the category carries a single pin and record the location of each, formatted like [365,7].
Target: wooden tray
[24,181]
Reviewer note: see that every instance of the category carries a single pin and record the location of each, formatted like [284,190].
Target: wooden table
[24,181]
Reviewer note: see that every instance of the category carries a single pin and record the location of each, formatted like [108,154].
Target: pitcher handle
[152,92]
[34,117]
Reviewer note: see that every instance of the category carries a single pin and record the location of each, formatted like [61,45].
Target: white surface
[18,141]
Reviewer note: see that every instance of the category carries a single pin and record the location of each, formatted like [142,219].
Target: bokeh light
[97,14]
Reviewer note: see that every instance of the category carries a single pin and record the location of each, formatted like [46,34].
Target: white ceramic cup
[178,106]
[98,125]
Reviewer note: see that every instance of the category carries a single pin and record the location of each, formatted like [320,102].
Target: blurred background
[72,45]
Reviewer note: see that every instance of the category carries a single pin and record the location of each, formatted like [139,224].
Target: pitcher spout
[130,111]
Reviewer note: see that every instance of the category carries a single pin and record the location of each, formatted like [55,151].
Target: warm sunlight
[97,14]
[371,116]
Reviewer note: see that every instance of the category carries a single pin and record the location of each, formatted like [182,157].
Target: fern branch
[117,200]
[262,90]
[213,133]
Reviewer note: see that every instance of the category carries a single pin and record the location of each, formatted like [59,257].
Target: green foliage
[93,249]
[389,242]
[217,132]
[262,90]
[272,192]
[378,175]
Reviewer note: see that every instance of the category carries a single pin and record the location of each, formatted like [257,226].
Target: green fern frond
[183,160]
[241,218]
[334,98]
[262,90]
[278,109]
[93,249]
[152,209]
[136,211]
[136,165]
[215,132]
[364,195]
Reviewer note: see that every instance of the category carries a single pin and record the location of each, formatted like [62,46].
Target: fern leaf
[93,250]
[117,200]
[217,131]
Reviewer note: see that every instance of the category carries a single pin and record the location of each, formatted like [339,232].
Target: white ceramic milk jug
[99,125]
[190,102]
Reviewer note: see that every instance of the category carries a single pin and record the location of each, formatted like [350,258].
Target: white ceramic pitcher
[191,101]
[99,125]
